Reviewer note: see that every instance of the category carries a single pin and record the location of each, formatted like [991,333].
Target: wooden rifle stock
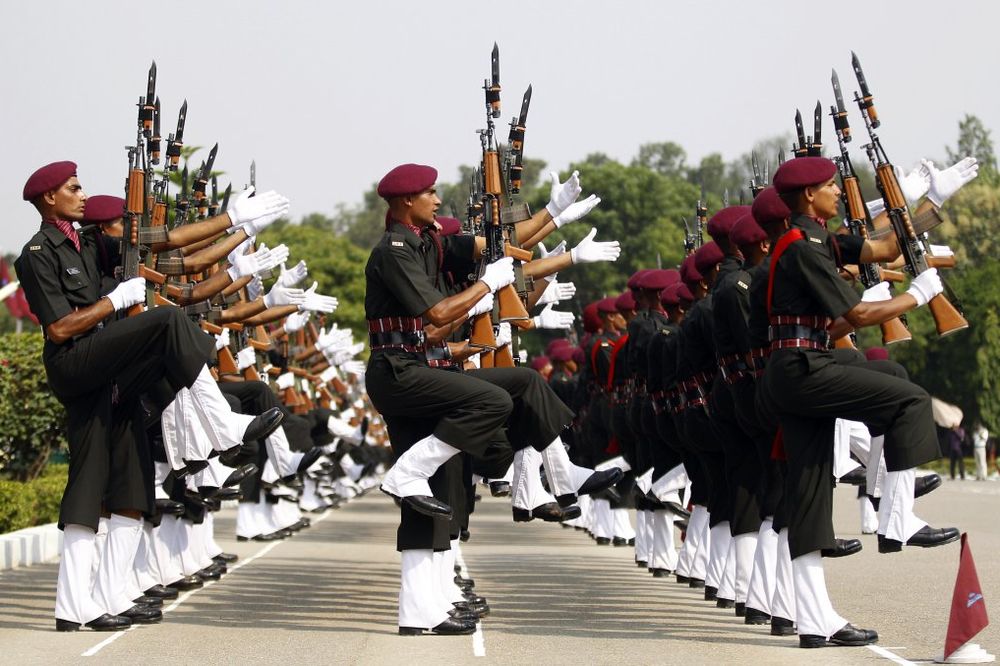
[502,358]
[891,276]
[482,336]
[486,360]
[844,343]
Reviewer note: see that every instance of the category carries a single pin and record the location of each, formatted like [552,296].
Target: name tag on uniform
[398,243]
[35,247]
[73,271]
[816,240]
[743,284]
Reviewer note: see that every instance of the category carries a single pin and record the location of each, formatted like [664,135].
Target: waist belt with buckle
[758,357]
[797,336]
[733,368]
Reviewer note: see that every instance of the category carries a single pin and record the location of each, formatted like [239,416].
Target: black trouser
[257,397]
[692,464]
[664,450]
[134,354]
[743,472]
[538,415]
[709,453]
[756,425]
[809,390]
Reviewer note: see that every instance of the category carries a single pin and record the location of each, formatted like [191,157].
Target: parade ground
[328,595]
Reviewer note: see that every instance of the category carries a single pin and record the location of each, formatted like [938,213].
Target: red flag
[968,607]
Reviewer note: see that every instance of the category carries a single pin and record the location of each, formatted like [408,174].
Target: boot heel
[66,625]
[410,631]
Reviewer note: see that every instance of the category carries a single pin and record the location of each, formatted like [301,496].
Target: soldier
[805,385]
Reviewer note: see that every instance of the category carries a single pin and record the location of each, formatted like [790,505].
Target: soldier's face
[825,199]
[67,202]
[423,206]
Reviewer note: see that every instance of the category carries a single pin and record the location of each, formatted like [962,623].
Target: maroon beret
[607,305]
[671,295]
[633,281]
[103,208]
[768,208]
[707,256]
[579,355]
[555,344]
[48,178]
[658,279]
[406,179]
[803,172]
[877,354]
[591,320]
[539,362]
[449,225]
[689,272]
[723,221]
[685,294]
[746,232]
[625,302]
[562,353]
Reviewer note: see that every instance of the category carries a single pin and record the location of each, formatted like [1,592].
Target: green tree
[974,139]
[665,157]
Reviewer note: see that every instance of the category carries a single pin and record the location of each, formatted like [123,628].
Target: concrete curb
[32,545]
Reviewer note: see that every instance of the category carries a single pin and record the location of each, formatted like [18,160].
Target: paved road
[329,596]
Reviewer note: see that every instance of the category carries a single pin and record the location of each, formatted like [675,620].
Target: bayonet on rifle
[839,113]
[147,109]
[492,88]
[816,147]
[176,140]
[867,104]
[154,141]
[201,180]
[800,149]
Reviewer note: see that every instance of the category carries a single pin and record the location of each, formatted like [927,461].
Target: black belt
[414,339]
[820,336]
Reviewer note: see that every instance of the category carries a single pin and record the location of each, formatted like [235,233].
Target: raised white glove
[577,210]
[318,302]
[503,336]
[549,318]
[875,207]
[557,291]
[255,287]
[296,321]
[940,250]
[499,274]
[555,252]
[328,374]
[245,358]
[294,275]
[915,183]
[589,251]
[263,259]
[253,213]
[879,292]
[925,286]
[285,381]
[340,428]
[563,194]
[222,339]
[483,305]
[132,292]
[353,367]
[944,184]
[284,296]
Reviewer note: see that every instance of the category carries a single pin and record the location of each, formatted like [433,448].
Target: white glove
[915,183]
[353,367]
[335,338]
[499,274]
[549,318]
[875,207]
[944,184]
[589,251]
[245,358]
[940,250]
[577,210]
[340,428]
[925,286]
[557,291]
[291,277]
[222,339]
[132,292]
[563,194]
[556,251]
[879,292]
[318,302]
[284,296]
[503,335]
[255,287]
[296,321]
[483,305]
[285,381]
[262,260]
[328,374]
[253,213]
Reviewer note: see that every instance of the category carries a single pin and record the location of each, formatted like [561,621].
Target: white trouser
[169,569]
[718,554]
[622,525]
[247,524]
[75,600]
[816,615]
[693,558]
[452,591]
[564,477]
[664,554]
[526,487]
[285,461]
[310,500]
[603,522]
[410,473]
[783,599]
[979,452]
[116,562]
[844,432]
[418,599]
[876,471]
[765,557]
[727,584]
[224,427]
[140,577]
[869,518]
[173,442]
[896,519]
[744,548]
[667,487]
[586,508]
[643,536]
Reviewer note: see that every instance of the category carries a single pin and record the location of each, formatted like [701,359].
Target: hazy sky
[327,96]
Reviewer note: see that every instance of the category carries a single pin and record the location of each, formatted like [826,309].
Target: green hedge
[25,504]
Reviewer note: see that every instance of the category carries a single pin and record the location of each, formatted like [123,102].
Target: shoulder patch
[35,247]
[398,243]
[813,239]
[742,284]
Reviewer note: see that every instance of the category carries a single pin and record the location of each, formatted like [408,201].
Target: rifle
[758,181]
[800,149]
[856,214]
[947,317]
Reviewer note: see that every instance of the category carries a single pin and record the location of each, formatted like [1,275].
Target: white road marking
[891,656]
[260,553]
[478,639]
